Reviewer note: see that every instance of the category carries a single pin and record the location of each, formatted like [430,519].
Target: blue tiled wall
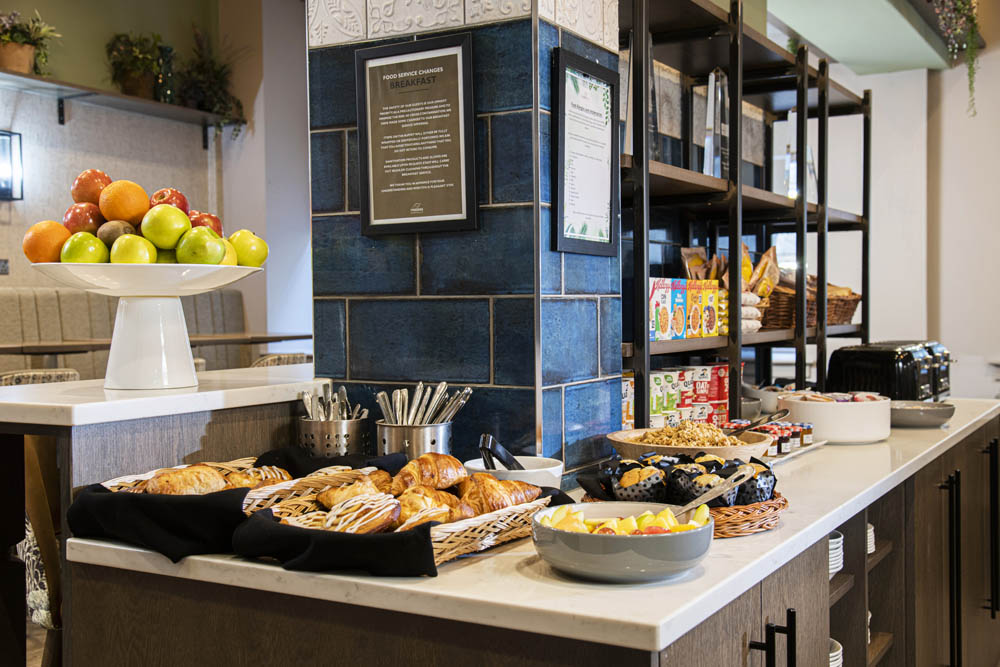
[461,306]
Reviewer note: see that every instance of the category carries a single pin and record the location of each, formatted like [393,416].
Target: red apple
[84,217]
[169,196]
[199,219]
[88,185]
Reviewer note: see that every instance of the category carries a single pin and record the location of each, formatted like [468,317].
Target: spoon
[742,474]
[770,419]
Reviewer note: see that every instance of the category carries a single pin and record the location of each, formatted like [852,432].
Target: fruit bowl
[150,348]
[620,558]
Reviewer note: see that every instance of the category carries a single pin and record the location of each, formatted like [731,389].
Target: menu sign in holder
[416,136]
[585,129]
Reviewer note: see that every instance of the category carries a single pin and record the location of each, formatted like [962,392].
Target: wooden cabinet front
[795,586]
[722,640]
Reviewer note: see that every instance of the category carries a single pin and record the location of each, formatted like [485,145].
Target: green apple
[132,249]
[250,248]
[166,256]
[164,225]
[200,247]
[83,248]
[230,257]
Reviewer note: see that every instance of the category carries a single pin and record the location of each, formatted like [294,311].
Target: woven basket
[135,483]
[780,314]
[268,496]
[742,520]
[479,533]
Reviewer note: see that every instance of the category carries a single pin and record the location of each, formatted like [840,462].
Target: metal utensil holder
[338,437]
[413,440]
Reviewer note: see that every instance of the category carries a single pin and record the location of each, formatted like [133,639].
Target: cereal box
[710,308]
[659,309]
[686,388]
[701,412]
[701,383]
[722,308]
[628,402]
[720,413]
[678,304]
[694,308]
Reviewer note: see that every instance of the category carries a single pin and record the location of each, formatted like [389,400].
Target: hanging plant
[202,82]
[960,28]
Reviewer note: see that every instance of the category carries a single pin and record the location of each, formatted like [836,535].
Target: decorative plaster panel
[397,17]
[547,9]
[611,25]
[336,21]
[483,11]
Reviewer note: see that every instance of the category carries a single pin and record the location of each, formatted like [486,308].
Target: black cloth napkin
[592,484]
[175,526]
[406,554]
[299,463]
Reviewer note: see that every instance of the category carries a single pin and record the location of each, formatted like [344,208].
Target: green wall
[87,25]
[754,13]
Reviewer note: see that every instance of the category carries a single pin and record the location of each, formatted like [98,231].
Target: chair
[282,359]
[39,551]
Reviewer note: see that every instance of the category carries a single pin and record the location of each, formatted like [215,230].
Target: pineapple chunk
[559,514]
[645,520]
[594,523]
[668,516]
[546,521]
[680,528]
[573,525]
[700,516]
[659,521]
[611,524]
[628,525]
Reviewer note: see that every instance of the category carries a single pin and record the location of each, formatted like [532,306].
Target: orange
[43,241]
[124,200]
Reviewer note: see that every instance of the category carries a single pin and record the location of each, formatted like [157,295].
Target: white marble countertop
[88,402]
[511,587]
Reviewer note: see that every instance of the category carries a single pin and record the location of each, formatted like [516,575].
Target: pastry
[363,486]
[254,478]
[439,514]
[418,498]
[438,471]
[372,513]
[642,485]
[382,480]
[191,481]
[485,493]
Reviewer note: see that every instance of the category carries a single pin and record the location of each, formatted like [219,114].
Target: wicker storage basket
[780,313]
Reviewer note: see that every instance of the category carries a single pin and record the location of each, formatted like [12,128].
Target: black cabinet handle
[953,485]
[768,646]
[993,449]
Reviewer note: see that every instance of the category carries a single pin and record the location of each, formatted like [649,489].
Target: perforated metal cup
[413,440]
[338,437]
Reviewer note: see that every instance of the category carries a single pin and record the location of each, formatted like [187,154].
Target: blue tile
[582,47]
[482,160]
[326,159]
[507,414]
[429,339]
[501,63]
[611,336]
[345,262]
[551,269]
[591,274]
[569,340]
[548,39]
[552,432]
[331,87]
[513,342]
[545,147]
[498,258]
[592,410]
[513,177]
[330,336]
[353,182]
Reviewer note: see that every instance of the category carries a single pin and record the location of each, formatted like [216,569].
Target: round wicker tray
[742,520]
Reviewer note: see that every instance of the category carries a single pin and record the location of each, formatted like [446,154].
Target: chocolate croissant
[418,498]
[485,493]
[438,471]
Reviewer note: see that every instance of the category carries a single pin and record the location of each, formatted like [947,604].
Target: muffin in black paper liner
[703,483]
[758,488]
[679,483]
[644,485]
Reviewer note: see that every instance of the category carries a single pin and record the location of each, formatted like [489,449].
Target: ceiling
[869,36]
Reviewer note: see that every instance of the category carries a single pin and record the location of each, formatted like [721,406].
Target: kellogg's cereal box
[710,308]
[678,308]
[659,309]
[694,308]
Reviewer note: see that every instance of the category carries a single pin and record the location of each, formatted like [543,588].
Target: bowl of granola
[689,438]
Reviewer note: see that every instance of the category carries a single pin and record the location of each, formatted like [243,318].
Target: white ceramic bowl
[768,399]
[538,470]
[846,423]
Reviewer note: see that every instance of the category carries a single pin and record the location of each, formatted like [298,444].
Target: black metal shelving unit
[694,37]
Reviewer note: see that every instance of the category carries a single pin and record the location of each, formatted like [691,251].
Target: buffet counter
[510,587]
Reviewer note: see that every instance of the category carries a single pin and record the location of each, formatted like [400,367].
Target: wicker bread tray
[136,483]
[479,533]
[297,489]
[742,520]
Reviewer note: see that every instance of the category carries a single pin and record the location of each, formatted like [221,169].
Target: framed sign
[586,178]
[416,136]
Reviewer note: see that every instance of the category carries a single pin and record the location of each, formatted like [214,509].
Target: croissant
[485,493]
[254,478]
[438,471]
[381,479]
[193,480]
[418,498]
[330,497]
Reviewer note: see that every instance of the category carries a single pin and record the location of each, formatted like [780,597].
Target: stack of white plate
[871,539]
[836,553]
[869,627]
[836,653]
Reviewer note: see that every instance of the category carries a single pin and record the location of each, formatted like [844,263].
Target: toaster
[940,364]
[899,370]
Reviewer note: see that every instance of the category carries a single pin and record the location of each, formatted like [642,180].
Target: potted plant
[960,28]
[24,45]
[134,62]
[202,82]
